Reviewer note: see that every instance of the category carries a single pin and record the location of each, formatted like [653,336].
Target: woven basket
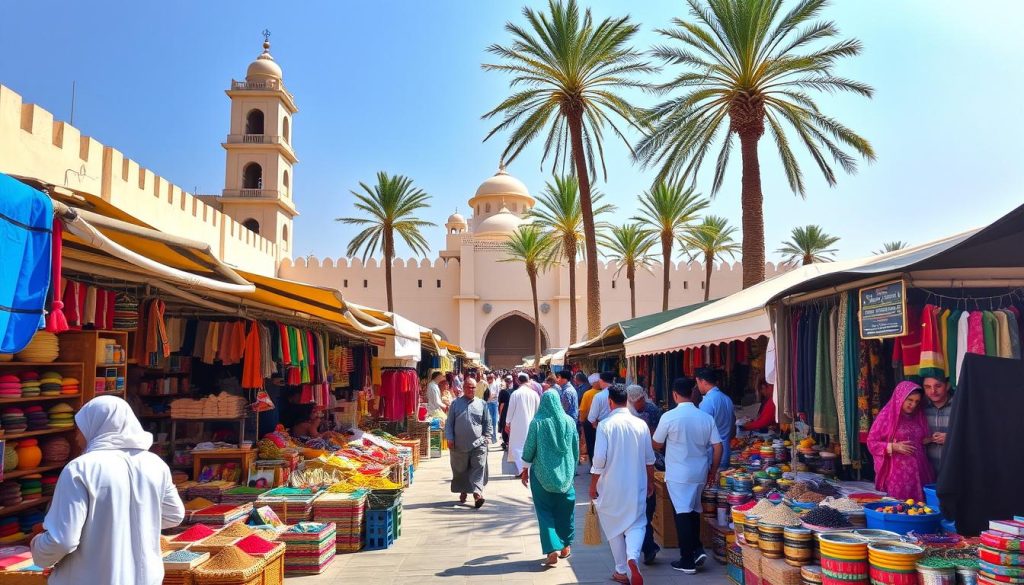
[273,573]
[176,578]
[213,544]
[251,576]
[752,559]
[22,578]
[778,572]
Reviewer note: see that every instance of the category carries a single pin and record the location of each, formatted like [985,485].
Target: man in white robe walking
[522,406]
[622,478]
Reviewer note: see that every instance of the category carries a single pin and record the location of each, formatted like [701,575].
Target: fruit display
[908,507]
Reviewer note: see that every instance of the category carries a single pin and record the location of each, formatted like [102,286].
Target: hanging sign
[883,310]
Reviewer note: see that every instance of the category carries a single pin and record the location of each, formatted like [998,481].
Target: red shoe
[635,578]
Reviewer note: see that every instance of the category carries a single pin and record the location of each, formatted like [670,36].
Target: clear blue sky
[398,86]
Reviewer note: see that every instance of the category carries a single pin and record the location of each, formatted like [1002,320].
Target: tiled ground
[444,542]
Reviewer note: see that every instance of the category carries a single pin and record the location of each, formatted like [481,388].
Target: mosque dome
[264,67]
[502,183]
[456,219]
[500,224]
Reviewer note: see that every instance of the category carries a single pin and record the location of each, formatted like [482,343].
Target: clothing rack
[994,301]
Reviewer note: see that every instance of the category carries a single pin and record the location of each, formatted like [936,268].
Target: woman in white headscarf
[110,504]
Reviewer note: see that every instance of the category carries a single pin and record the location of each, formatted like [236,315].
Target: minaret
[258,173]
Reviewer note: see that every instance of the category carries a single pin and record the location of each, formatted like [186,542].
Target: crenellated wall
[33,144]
[451,295]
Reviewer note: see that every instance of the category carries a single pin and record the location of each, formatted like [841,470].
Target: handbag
[592,527]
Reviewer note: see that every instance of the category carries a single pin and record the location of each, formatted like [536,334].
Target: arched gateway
[509,340]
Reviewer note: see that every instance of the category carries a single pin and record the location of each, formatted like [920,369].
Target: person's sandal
[479,501]
[462,498]
[551,560]
[620,578]
[566,553]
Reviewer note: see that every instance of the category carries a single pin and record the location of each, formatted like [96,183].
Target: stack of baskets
[309,547]
[419,431]
[347,511]
[292,505]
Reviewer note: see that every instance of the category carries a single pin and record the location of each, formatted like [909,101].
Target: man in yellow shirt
[586,389]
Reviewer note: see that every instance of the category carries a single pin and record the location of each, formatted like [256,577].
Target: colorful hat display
[37,418]
[10,386]
[43,348]
[69,386]
[10,494]
[50,384]
[61,416]
[56,450]
[10,458]
[31,487]
[14,420]
[49,484]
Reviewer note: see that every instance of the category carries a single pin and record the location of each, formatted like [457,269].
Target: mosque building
[469,294]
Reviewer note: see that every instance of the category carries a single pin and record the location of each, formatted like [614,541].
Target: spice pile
[780,515]
[254,545]
[195,533]
[236,530]
[826,517]
[230,558]
[842,504]
[761,508]
[182,556]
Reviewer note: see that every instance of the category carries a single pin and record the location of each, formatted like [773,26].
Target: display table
[244,457]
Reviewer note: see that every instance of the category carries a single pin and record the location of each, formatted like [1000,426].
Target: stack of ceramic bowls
[844,558]
[797,545]
[893,562]
[42,349]
[769,540]
[750,534]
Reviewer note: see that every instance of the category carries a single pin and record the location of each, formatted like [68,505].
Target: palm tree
[748,69]
[891,247]
[667,209]
[571,71]
[558,212]
[393,205]
[536,250]
[711,239]
[630,247]
[808,244]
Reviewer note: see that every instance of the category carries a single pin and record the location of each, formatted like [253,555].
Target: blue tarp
[26,237]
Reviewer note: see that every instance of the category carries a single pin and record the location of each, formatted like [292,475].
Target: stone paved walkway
[444,542]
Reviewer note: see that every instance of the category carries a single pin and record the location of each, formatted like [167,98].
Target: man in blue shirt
[570,400]
[719,406]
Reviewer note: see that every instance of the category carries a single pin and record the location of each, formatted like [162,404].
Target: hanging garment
[952,342]
[1003,349]
[988,402]
[26,220]
[825,416]
[394,391]
[906,351]
[988,323]
[976,333]
[931,364]
[1014,335]
[252,360]
[962,335]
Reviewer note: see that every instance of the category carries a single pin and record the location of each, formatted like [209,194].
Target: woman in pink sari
[896,442]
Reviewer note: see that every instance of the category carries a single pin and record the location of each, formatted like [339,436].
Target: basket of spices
[230,566]
[750,534]
[272,554]
[214,544]
[769,539]
[796,545]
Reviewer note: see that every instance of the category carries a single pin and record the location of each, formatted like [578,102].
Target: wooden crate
[664,521]
[778,572]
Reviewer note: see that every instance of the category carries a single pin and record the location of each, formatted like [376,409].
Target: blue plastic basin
[931,497]
[901,523]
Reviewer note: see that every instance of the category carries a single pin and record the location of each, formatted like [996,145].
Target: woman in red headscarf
[896,442]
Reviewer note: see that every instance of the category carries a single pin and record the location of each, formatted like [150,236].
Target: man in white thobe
[110,504]
[522,406]
[434,403]
[687,433]
[622,478]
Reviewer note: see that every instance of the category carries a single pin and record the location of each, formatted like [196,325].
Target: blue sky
[397,86]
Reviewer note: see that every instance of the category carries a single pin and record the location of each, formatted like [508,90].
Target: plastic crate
[380,529]
[396,516]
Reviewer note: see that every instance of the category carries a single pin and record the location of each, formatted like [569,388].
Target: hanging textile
[932,363]
[26,230]
[848,339]
[252,361]
[826,420]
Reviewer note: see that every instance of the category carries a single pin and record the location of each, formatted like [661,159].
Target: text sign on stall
[883,310]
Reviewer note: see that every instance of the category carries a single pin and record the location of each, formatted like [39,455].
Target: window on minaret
[286,129]
[252,225]
[254,122]
[487,208]
[252,176]
[285,181]
[419,284]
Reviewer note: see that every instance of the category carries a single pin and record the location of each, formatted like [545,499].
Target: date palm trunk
[575,121]
[570,254]
[532,271]
[631,276]
[708,264]
[752,204]
[389,257]
[666,264]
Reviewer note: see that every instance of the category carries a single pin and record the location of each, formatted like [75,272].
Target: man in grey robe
[468,432]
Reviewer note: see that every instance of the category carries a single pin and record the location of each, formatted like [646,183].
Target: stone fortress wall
[34,144]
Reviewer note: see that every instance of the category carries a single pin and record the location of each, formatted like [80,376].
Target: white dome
[501,224]
[456,219]
[264,67]
[502,183]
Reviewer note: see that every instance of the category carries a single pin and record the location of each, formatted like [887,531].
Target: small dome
[264,67]
[456,219]
[502,223]
[502,183]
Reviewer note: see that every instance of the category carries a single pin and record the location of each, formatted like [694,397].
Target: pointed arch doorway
[509,339]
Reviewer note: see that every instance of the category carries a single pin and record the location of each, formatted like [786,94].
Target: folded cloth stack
[10,494]
[62,416]
[49,484]
[37,419]
[69,386]
[56,450]
[50,384]
[31,487]
[30,520]
[14,420]
[29,384]
[10,386]
[10,458]
[10,530]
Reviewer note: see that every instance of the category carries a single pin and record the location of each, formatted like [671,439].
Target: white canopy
[743,314]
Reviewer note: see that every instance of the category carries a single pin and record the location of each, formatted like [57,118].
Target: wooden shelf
[120,365]
[40,365]
[27,434]
[40,398]
[156,416]
[25,506]
[24,472]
